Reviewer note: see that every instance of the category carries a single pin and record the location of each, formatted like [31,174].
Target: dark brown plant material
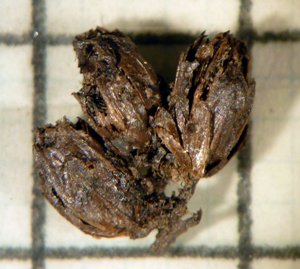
[209,106]
[107,175]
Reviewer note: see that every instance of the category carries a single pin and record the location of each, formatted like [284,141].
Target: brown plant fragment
[119,89]
[108,175]
[95,191]
[210,105]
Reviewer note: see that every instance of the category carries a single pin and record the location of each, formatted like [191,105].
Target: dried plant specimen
[209,106]
[107,174]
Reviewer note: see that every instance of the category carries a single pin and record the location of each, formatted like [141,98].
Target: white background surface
[275,174]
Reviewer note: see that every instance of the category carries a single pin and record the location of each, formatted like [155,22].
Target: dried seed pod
[209,105]
[97,193]
[120,89]
[108,177]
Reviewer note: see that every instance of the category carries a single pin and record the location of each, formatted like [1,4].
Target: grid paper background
[251,208]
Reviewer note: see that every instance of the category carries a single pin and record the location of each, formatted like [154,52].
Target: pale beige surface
[275,175]
[140,16]
[145,263]
[15,264]
[275,16]
[15,144]
[276,158]
[15,16]
[274,263]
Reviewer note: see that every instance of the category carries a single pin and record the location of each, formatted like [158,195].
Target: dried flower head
[108,175]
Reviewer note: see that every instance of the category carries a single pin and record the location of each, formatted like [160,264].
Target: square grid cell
[63,78]
[15,19]
[16,141]
[275,16]
[276,189]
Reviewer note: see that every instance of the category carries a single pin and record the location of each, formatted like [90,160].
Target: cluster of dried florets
[107,175]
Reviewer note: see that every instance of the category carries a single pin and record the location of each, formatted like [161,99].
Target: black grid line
[15,253]
[244,204]
[152,39]
[245,159]
[39,118]
[15,40]
[225,252]
[245,251]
